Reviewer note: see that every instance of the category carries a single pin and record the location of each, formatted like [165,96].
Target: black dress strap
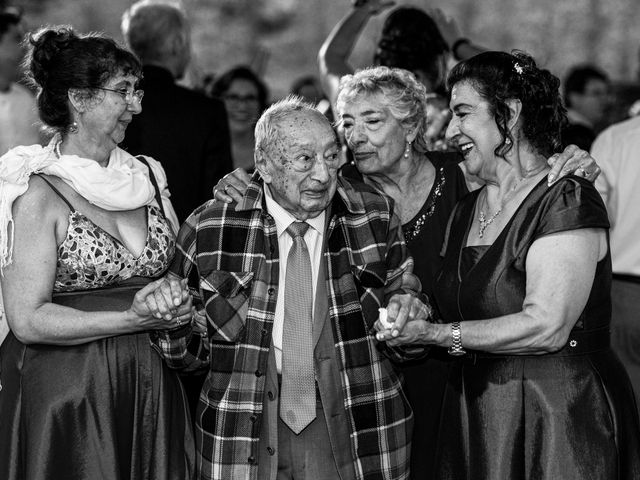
[58,192]
[153,182]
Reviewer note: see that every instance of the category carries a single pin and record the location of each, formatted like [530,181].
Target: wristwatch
[456,341]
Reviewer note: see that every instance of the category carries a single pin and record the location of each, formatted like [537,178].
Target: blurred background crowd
[279,39]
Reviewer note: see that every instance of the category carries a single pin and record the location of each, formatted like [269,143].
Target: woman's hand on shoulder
[162,305]
[572,160]
[232,186]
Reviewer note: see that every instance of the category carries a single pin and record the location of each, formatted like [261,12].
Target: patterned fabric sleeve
[401,280]
[184,348]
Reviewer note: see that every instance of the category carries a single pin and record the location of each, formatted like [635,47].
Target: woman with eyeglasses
[245,97]
[85,228]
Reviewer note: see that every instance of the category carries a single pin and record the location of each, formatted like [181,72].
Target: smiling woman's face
[473,128]
[376,138]
[108,114]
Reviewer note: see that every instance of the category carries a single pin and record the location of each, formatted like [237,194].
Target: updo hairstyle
[58,59]
[401,93]
[501,76]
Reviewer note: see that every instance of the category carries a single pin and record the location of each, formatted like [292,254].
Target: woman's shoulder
[573,191]
[40,203]
[571,202]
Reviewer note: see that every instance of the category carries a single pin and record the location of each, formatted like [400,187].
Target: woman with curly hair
[534,390]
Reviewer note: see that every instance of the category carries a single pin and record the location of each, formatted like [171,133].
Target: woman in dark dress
[86,227]
[535,392]
[383,112]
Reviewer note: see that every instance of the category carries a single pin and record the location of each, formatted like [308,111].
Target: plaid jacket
[230,256]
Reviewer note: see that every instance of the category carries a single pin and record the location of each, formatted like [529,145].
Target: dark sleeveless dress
[566,415]
[108,409]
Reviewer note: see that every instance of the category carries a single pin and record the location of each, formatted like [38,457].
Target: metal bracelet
[456,341]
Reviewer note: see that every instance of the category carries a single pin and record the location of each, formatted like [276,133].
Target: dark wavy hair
[412,40]
[223,83]
[58,59]
[501,76]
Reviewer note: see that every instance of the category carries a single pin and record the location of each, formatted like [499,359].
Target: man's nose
[320,170]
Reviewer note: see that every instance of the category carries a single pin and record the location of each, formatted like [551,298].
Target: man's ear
[515,107]
[262,165]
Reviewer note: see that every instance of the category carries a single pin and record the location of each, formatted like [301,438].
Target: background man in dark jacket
[183,129]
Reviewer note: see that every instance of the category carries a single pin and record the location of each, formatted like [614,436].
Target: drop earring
[407,150]
[73,128]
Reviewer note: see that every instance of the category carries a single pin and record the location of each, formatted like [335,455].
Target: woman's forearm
[53,324]
[516,334]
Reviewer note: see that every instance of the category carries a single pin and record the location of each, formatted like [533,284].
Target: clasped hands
[407,321]
[163,304]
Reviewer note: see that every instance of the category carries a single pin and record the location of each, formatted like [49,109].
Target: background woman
[83,394]
[525,284]
[245,96]
[383,113]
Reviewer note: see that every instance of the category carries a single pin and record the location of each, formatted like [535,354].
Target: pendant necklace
[482,217]
[484,223]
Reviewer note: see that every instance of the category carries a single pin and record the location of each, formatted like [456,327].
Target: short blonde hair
[402,94]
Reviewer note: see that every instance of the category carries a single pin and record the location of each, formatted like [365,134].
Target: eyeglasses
[127,95]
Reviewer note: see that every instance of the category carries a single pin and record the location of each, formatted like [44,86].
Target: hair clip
[518,68]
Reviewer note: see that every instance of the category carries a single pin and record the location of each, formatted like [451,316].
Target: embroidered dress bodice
[89,257]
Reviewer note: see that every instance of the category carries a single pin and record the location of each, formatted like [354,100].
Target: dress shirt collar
[283,218]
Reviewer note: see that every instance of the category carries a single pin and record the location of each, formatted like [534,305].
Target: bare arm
[452,34]
[560,271]
[40,220]
[334,52]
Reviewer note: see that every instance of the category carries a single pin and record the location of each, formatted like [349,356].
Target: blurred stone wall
[280,38]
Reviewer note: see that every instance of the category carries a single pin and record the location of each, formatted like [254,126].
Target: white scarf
[123,185]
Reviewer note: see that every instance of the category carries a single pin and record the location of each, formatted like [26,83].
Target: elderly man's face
[300,165]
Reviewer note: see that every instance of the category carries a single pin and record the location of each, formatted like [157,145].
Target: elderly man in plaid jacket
[232,256]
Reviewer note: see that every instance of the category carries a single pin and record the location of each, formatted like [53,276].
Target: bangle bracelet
[456,45]
[456,341]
